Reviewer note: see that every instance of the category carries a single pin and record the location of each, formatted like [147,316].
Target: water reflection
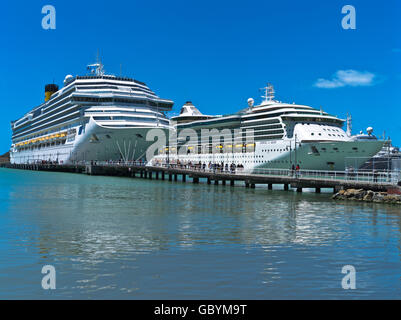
[141,238]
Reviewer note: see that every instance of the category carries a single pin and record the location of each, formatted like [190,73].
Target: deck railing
[377,177]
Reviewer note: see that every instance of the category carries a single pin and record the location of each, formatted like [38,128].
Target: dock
[288,179]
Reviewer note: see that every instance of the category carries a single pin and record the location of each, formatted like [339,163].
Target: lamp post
[388,160]
[295,149]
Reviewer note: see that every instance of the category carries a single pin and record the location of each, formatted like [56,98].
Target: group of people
[295,170]
[48,162]
[202,166]
[221,167]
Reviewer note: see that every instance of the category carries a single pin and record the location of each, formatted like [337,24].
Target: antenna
[96,68]
[269,93]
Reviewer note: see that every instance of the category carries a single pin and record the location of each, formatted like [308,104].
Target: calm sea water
[125,238]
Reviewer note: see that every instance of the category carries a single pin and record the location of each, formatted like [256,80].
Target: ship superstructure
[93,117]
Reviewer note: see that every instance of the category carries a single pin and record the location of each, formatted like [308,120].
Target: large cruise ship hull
[279,154]
[95,143]
[335,156]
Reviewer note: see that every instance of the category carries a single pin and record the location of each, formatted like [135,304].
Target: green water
[126,238]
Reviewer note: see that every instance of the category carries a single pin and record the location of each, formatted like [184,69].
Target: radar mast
[269,93]
[96,68]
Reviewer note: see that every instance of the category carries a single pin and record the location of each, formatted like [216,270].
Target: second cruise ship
[94,117]
[272,135]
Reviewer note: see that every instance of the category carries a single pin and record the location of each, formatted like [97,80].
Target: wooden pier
[316,180]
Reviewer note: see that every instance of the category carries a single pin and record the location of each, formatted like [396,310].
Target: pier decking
[287,178]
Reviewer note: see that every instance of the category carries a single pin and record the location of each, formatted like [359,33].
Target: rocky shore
[367,196]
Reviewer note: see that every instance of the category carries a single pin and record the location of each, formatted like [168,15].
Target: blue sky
[214,53]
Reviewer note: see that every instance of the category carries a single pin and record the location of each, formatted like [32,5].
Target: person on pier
[297,168]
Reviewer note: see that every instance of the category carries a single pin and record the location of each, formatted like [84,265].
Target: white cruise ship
[282,136]
[94,117]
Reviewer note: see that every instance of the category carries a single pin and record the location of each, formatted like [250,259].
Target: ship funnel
[49,90]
